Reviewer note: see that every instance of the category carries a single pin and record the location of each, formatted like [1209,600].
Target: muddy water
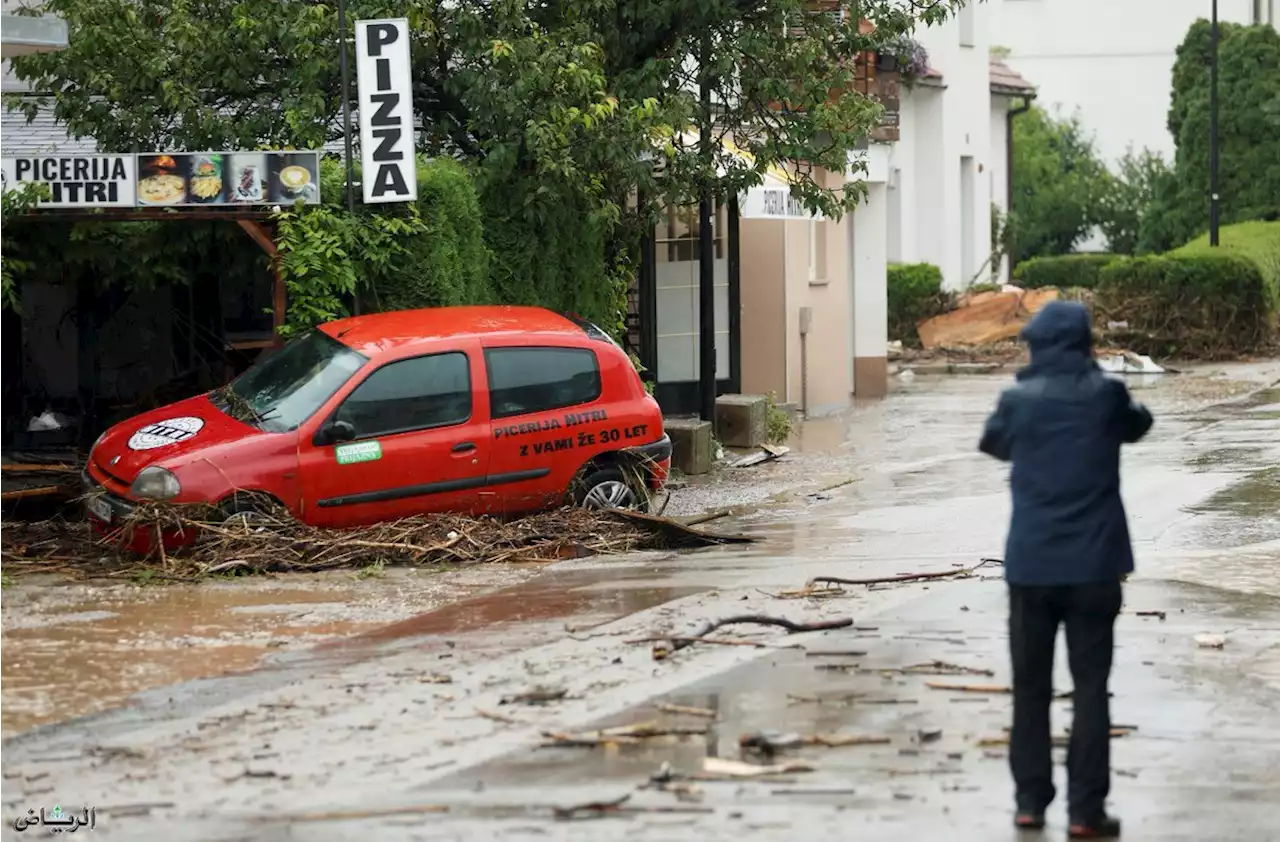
[74,650]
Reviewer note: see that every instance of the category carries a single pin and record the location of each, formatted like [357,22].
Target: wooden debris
[968,688]
[834,653]
[1161,615]
[499,717]
[737,769]
[667,645]
[930,668]
[958,573]
[536,696]
[621,735]
[689,711]
[278,543]
[348,815]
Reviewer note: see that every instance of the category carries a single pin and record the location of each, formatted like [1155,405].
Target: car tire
[611,488]
[245,509]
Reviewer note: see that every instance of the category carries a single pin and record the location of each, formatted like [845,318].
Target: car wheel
[611,488]
[243,510]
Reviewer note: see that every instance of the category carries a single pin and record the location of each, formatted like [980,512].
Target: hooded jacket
[1062,426]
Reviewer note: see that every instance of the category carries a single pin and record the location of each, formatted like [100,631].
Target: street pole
[346,101]
[706,246]
[1213,127]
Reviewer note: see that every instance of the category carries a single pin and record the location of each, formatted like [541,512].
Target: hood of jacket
[1061,340]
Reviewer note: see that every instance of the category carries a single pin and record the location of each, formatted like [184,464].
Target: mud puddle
[78,649]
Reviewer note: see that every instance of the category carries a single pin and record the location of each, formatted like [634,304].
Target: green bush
[1257,241]
[448,262]
[1068,270]
[915,294]
[1201,305]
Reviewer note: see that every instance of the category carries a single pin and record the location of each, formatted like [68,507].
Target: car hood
[166,436]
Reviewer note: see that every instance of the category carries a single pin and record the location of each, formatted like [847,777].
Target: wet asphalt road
[364,728]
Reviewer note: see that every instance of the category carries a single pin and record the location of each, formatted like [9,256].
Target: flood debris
[766,453]
[1127,362]
[835,653]
[725,768]
[903,578]
[1211,641]
[686,710]
[929,668]
[665,646]
[1059,740]
[769,743]
[536,696]
[621,735]
[355,815]
[1160,615]
[995,689]
[273,541]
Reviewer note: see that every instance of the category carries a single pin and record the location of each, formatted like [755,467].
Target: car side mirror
[337,431]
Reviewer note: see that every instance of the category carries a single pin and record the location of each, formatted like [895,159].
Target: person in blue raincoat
[1062,426]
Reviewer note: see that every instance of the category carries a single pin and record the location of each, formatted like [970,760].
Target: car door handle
[464,447]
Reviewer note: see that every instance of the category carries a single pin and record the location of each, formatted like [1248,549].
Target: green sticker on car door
[361,451]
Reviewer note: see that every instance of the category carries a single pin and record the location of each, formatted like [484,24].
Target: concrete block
[690,445]
[740,420]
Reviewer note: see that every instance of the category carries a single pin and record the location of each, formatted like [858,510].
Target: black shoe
[1029,819]
[1104,827]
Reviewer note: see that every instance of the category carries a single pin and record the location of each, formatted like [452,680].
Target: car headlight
[155,483]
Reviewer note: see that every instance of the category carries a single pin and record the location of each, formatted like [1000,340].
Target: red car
[489,410]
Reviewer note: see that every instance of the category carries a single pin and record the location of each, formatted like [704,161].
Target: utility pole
[346,101]
[1213,127]
[706,243]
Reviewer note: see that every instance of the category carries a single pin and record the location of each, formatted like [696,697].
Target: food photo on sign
[246,173]
[205,187]
[162,179]
[294,177]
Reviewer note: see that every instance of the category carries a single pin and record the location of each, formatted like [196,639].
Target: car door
[418,442]
[542,405]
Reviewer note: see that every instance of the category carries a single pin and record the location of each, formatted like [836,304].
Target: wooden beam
[279,299]
[254,229]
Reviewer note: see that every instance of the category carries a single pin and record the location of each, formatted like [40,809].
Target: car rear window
[535,379]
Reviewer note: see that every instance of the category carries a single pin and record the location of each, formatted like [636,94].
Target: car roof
[377,334]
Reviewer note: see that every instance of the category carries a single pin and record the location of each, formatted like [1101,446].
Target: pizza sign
[165,433]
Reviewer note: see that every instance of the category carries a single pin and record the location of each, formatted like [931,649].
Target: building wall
[819,374]
[1110,60]
[999,166]
[763,297]
[939,214]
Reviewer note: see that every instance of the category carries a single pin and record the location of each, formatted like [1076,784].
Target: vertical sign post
[383,81]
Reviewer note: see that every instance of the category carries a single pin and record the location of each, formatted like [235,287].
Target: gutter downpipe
[1008,162]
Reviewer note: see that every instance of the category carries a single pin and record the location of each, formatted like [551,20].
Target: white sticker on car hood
[165,433]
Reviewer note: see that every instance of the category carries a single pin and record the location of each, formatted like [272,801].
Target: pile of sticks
[275,542]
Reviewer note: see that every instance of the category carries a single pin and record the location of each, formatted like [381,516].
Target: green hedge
[1257,241]
[1063,271]
[915,294]
[1188,305]
[448,263]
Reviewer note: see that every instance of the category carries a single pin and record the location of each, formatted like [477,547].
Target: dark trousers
[1089,614]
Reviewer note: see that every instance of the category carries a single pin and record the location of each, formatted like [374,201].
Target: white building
[1110,59]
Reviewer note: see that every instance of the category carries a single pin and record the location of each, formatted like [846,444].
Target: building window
[964,18]
[817,251]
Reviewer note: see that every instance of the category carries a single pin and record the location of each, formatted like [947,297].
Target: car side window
[536,379]
[413,394]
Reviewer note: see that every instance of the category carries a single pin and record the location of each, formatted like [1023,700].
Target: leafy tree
[1131,191]
[557,105]
[1059,183]
[1248,134]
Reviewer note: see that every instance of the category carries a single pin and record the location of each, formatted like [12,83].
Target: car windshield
[284,390]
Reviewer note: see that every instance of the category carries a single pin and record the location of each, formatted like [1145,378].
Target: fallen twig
[499,717]
[690,711]
[690,639]
[536,696]
[930,668]
[958,573]
[1158,614]
[666,646]
[968,688]
[834,653]
[346,815]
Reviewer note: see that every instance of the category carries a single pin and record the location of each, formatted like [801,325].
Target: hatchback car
[485,410]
